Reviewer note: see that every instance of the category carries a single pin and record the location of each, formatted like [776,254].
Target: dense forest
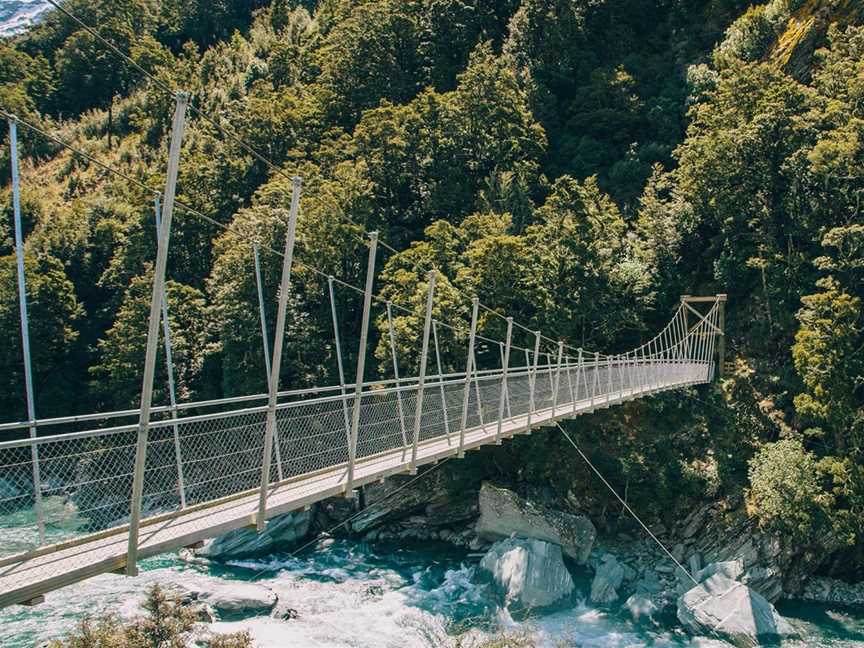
[578,164]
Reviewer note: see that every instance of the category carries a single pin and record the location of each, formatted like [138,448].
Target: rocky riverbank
[346,593]
[529,553]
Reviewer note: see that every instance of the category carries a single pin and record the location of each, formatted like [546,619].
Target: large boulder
[503,514]
[281,533]
[438,500]
[773,565]
[236,599]
[731,569]
[529,574]
[607,580]
[722,607]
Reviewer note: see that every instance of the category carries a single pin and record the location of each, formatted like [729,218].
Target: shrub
[786,492]
[167,623]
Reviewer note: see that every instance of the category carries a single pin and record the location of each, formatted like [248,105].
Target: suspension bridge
[92,494]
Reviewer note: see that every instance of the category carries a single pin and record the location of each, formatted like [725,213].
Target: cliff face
[805,32]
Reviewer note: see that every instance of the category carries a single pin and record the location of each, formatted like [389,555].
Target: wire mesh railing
[89,474]
[214,453]
[87,479]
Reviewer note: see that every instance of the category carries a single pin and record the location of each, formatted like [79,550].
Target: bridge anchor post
[704,348]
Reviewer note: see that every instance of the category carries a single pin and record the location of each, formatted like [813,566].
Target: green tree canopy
[54,312]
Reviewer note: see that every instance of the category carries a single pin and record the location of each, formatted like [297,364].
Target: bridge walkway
[25,578]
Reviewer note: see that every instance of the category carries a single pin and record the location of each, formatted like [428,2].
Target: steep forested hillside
[578,164]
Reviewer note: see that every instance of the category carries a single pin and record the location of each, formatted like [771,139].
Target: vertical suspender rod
[25,329]
[421,379]
[466,392]
[153,333]
[172,393]
[361,360]
[271,425]
[340,367]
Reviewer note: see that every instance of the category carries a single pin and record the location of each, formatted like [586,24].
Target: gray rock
[238,599]
[630,573]
[435,499]
[452,510]
[732,611]
[333,511]
[503,513]
[641,607]
[282,532]
[773,566]
[529,574]
[695,562]
[835,592]
[765,580]
[649,584]
[204,613]
[607,580]
[731,569]
[651,588]
[694,522]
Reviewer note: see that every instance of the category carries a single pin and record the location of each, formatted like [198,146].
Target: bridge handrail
[167,409]
[588,362]
[387,387]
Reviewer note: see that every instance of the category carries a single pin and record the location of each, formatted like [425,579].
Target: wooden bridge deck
[56,566]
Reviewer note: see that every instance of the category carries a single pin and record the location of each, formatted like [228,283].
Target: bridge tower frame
[691,303]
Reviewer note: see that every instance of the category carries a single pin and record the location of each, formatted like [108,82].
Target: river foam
[348,594]
[16,15]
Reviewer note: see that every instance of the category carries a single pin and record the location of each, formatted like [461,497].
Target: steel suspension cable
[229,134]
[626,505]
[237,140]
[209,219]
